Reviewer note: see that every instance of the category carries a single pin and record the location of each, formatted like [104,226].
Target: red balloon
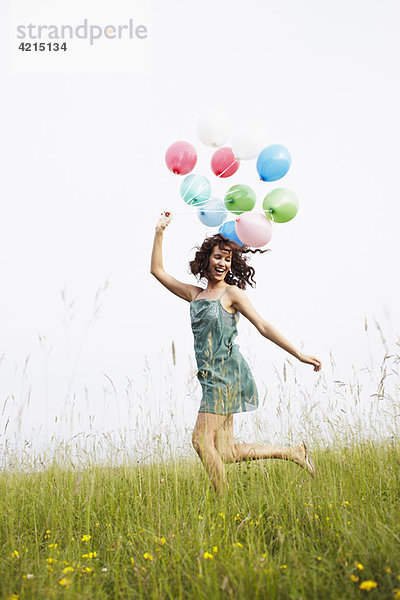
[181,157]
[224,163]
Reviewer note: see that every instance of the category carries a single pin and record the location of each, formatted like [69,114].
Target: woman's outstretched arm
[183,290]
[245,307]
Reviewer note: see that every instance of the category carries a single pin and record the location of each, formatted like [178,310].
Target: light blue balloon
[195,189]
[212,213]
[228,230]
[273,162]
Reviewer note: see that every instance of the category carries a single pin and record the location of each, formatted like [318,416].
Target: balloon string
[232,163]
[207,184]
[183,212]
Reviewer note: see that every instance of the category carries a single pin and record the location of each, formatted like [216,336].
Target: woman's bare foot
[302,457]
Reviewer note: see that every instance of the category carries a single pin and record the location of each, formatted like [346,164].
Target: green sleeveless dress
[226,379]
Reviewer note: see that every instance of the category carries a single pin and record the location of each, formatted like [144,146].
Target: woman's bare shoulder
[234,292]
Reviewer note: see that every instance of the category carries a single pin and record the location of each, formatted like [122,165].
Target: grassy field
[159,531]
[128,516]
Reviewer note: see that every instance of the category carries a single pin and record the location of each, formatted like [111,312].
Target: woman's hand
[163,221]
[311,360]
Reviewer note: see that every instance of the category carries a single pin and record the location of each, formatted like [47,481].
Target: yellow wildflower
[132,560]
[87,569]
[237,545]
[50,560]
[51,546]
[354,578]
[162,541]
[221,515]
[283,566]
[368,585]
[359,566]
[89,555]
[388,569]
[65,582]
[147,556]
[15,554]
[86,538]
[200,518]
[396,594]
[215,549]
[13,597]
[208,555]
[68,570]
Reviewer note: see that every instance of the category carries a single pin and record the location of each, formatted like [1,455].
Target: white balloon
[214,128]
[248,141]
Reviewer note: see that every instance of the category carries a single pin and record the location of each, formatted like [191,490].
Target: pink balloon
[253,229]
[181,158]
[224,163]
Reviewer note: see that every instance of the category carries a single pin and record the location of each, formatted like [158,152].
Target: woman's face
[219,263]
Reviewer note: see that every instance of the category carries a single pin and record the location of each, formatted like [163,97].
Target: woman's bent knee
[196,443]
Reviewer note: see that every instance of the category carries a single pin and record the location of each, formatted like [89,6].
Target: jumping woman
[226,379]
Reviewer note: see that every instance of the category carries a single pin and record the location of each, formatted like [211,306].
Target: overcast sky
[84,180]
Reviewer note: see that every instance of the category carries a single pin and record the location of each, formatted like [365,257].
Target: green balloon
[240,198]
[281,205]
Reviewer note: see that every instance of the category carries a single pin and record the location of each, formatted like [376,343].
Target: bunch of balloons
[273,162]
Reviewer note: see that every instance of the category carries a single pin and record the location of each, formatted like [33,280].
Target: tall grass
[133,515]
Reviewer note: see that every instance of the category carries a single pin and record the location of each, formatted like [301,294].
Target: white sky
[84,180]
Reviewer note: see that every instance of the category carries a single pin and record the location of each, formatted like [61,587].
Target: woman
[227,382]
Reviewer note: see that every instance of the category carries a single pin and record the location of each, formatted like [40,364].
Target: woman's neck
[218,286]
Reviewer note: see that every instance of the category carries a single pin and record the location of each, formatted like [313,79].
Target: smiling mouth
[220,271]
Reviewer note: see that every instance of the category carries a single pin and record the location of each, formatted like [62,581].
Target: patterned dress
[226,379]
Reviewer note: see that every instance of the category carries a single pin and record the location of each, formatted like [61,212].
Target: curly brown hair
[240,273]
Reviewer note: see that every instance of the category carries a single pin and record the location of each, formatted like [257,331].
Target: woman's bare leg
[255,451]
[231,452]
[203,439]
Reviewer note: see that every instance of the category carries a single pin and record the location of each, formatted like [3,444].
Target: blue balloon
[195,189]
[273,162]
[212,213]
[228,230]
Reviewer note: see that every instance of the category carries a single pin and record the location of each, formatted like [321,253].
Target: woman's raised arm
[156,255]
[183,290]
